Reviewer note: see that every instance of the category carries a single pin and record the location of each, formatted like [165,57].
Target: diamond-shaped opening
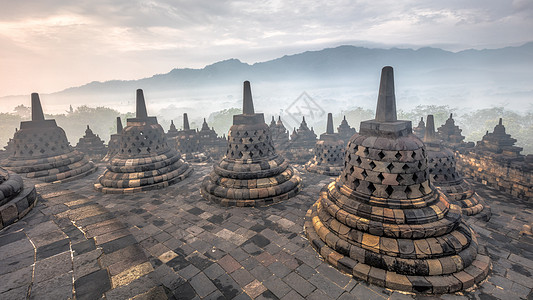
[364,174]
[389,190]
[405,167]
[415,177]
[398,155]
[372,165]
[413,155]
[390,167]
[420,165]
[381,154]
[381,177]
[356,182]
[421,189]
[358,160]
[366,151]
[408,190]
[371,188]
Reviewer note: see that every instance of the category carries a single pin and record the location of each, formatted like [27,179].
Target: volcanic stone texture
[16,199]
[251,173]
[145,160]
[383,222]
[42,151]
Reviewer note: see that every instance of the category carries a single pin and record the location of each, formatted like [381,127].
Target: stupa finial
[247,101]
[430,129]
[329,127]
[386,108]
[186,122]
[141,112]
[119,125]
[36,108]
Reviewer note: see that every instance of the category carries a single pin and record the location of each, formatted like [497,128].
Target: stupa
[345,131]
[420,130]
[301,147]
[280,134]
[450,134]
[187,143]
[443,174]
[251,173]
[113,147]
[41,150]
[91,145]
[145,161]
[329,153]
[383,222]
[16,198]
[210,143]
[499,142]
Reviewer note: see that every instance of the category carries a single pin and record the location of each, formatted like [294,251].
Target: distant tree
[223,119]
[23,111]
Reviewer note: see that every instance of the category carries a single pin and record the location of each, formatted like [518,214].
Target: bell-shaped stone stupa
[251,173]
[91,145]
[329,152]
[383,222]
[443,174]
[113,147]
[145,161]
[16,198]
[41,150]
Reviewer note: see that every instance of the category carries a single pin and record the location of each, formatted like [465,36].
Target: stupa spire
[119,125]
[247,101]
[186,122]
[329,127]
[430,129]
[386,108]
[36,108]
[141,112]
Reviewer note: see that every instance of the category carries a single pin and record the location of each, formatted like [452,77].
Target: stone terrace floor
[171,243]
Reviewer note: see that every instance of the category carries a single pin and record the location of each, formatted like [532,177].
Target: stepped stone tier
[91,145]
[145,161]
[42,151]
[345,131]
[301,147]
[498,142]
[251,173]
[113,147]
[443,174]
[420,130]
[9,148]
[329,153]
[383,222]
[450,134]
[280,134]
[16,198]
[210,143]
[187,142]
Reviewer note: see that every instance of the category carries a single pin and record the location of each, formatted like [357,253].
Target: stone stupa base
[314,167]
[443,277]
[274,187]
[125,176]
[56,169]
[463,195]
[196,157]
[16,200]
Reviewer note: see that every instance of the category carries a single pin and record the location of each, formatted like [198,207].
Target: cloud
[80,41]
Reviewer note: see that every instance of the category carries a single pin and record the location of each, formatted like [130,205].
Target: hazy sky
[49,45]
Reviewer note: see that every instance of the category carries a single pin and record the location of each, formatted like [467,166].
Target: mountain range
[504,75]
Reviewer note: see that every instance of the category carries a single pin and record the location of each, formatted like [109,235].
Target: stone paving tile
[173,243]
